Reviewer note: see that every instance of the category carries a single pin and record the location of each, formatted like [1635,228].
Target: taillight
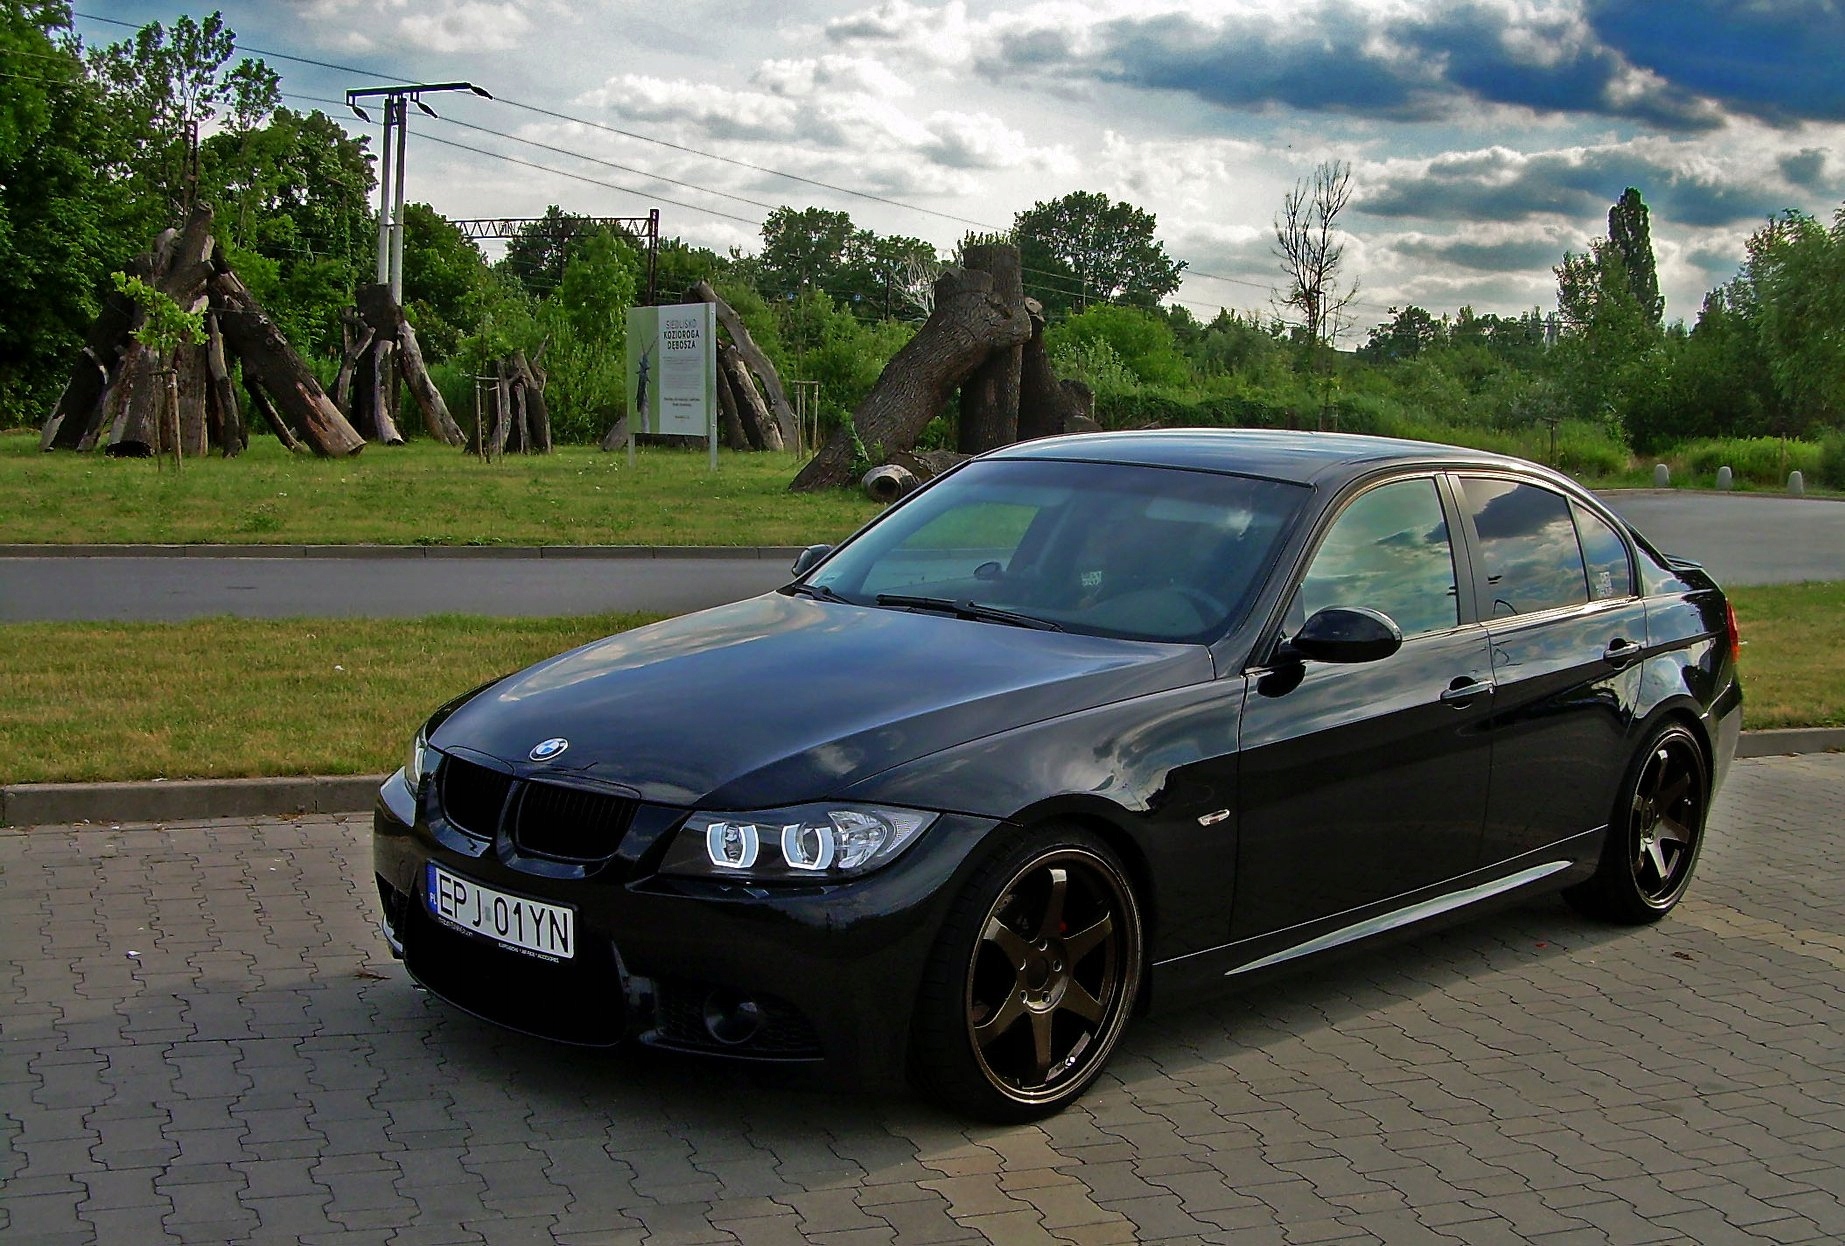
[1735,633]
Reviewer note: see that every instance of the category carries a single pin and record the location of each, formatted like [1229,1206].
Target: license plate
[533,926]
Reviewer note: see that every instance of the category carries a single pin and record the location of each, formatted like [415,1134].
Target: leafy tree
[62,224]
[1084,248]
[802,248]
[1631,236]
[537,255]
[1409,331]
[448,288]
[1235,343]
[1793,286]
[163,86]
[296,193]
[1141,340]
[680,266]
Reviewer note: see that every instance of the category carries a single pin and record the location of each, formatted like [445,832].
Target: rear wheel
[1032,979]
[1654,834]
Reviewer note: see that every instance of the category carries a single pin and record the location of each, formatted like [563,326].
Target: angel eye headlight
[807,843]
[416,762]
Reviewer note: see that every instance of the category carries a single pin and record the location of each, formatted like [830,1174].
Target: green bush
[1762,461]
[1831,470]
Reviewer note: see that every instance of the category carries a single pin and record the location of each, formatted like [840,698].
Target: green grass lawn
[235,697]
[419,494]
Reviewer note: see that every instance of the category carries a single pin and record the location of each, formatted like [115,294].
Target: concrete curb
[769,552]
[60,804]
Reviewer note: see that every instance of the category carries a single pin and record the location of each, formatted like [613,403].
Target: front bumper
[746,972]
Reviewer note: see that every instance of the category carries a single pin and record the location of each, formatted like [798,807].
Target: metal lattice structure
[644,227]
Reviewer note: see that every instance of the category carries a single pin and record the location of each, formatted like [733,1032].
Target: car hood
[781,699]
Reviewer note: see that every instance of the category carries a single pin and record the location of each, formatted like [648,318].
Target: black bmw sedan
[1088,725]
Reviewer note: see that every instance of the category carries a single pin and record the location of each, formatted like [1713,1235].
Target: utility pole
[391,177]
[381,369]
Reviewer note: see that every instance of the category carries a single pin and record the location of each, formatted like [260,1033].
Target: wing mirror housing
[1344,634]
[807,558]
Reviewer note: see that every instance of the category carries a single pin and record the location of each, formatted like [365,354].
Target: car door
[1360,783]
[1556,594]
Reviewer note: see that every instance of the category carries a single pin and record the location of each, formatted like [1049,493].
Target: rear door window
[1530,559]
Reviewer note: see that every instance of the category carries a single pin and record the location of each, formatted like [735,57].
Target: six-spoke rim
[1052,975]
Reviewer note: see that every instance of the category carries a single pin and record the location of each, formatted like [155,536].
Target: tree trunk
[259,402]
[617,436]
[268,357]
[226,420]
[357,347]
[132,405]
[502,412]
[753,356]
[192,376]
[762,432]
[969,322]
[136,432]
[76,414]
[731,425]
[1044,406]
[990,397]
[926,465]
[437,421]
[537,412]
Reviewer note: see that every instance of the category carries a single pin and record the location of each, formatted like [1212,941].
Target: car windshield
[1145,553]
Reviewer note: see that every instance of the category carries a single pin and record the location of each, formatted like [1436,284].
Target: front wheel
[1654,834]
[1032,979]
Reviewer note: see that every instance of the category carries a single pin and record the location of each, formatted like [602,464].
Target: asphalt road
[63,588]
[205,1041]
[1742,538]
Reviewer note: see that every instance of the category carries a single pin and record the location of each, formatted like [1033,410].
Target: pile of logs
[117,394]
[510,411]
[986,339]
[379,344]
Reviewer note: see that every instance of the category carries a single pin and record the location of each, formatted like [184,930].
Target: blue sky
[1485,136]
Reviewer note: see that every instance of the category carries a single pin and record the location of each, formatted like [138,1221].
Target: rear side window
[1531,560]
[1606,555]
[1388,550]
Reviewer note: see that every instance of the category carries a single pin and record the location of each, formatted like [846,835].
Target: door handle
[1620,652]
[1464,689]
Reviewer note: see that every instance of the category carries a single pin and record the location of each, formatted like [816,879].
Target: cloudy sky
[1486,136]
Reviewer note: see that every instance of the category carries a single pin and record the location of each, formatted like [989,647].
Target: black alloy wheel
[1655,834]
[1033,980]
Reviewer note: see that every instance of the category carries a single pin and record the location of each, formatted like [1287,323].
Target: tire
[1032,979]
[1654,833]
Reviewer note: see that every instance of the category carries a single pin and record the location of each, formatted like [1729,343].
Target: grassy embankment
[419,494]
[221,698]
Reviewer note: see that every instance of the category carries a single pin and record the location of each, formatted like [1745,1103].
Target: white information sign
[672,371]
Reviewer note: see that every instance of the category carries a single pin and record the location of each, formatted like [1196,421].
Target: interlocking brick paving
[203,1039]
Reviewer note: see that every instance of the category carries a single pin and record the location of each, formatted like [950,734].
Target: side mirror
[1344,634]
[805,560]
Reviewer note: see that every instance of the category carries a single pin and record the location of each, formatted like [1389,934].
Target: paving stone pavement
[202,1040]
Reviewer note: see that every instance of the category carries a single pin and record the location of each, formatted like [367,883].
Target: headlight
[416,762]
[808,843]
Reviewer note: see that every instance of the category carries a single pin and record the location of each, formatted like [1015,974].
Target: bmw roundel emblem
[545,750]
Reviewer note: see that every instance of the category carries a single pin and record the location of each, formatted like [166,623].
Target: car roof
[1307,458]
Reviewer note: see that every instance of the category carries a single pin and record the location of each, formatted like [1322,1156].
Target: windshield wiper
[819,592]
[967,609]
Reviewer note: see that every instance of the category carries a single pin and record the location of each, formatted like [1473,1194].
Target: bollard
[1796,483]
[1662,476]
[1725,477]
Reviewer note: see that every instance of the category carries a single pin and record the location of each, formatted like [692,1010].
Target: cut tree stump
[783,414]
[267,356]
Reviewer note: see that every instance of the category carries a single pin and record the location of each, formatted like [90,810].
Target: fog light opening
[732,1019]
